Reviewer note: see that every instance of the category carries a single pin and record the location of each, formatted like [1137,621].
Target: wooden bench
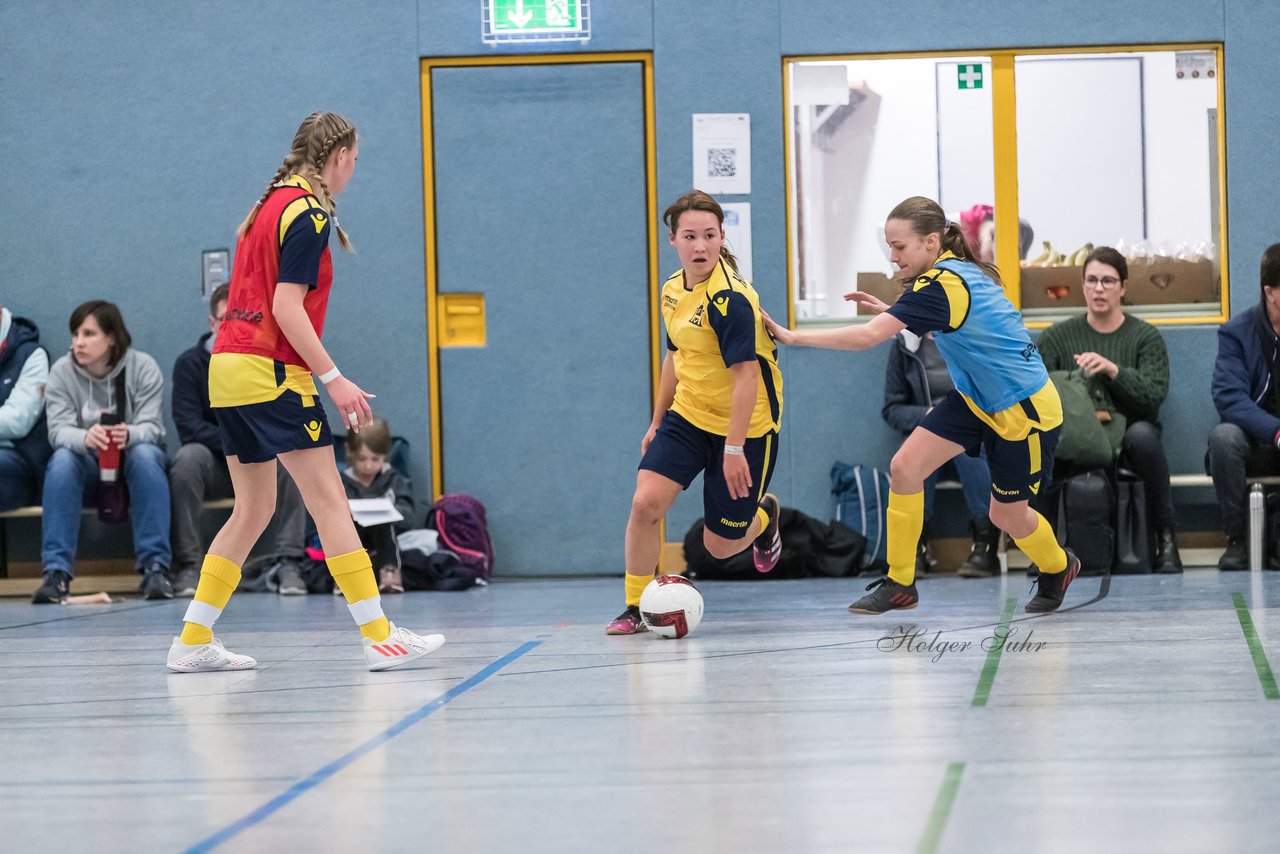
[36,511]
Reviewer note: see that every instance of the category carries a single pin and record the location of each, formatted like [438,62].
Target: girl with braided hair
[1002,402]
[263,393]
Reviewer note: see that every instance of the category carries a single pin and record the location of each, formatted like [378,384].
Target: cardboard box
[880,286]
[1165,281]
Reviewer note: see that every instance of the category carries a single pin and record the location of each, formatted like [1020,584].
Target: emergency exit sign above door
[536,21]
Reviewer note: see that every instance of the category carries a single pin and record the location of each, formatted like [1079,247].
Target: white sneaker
[402,647]
[208,656]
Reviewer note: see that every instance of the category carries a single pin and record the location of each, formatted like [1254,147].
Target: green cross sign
[969,76]
[535,16]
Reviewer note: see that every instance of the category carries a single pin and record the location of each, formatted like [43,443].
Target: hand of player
[648,438]
[351,400]
[737,475]
[119,434]
[1092,363]
[865,300]
[97,438]
[780,334]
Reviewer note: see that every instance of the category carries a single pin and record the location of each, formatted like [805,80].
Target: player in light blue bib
[1003,400]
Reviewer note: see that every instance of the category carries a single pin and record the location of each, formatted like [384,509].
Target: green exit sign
[536,20]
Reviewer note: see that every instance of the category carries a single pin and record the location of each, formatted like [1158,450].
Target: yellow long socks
[904,519]
[1042,548]
[218,580]
[353,573]
[635,586]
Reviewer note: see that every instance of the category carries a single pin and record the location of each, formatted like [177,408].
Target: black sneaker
[155,583]
[185,582]
[1236,557]
[54,588]
[889,595]
[767,547]
[1052,587]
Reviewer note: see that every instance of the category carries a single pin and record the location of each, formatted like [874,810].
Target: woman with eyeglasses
[1128,367]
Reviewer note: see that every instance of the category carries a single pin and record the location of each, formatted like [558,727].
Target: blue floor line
[303,786]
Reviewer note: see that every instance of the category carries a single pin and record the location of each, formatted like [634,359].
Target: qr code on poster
[722,162]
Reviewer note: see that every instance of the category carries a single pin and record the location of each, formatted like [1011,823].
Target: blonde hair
[697,200]
[926,217]
[319,135]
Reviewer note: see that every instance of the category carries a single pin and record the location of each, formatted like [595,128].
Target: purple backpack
[460,521]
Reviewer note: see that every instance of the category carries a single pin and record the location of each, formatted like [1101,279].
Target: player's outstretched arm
[863,336]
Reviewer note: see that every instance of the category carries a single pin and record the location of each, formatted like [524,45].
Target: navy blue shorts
[1019,470]
[258,432]
[680,451]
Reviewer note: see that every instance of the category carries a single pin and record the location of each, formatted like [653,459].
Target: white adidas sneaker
[402,647]
[204,657]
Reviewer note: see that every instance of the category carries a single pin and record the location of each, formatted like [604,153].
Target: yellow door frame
[1005,153]
[428,65]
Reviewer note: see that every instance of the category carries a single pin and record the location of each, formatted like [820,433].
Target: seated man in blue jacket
[199,471]
[1245,391]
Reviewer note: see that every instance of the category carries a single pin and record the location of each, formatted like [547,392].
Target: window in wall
[1051,152]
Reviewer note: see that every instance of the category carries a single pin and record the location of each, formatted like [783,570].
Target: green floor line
[941,808]
[1265,676]
[993,656]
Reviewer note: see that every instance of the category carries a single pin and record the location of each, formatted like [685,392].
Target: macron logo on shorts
[313,430]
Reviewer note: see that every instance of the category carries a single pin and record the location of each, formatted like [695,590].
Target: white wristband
[329,375]
[733,450]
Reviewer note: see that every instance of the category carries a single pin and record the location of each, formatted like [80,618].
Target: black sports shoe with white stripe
[889,595]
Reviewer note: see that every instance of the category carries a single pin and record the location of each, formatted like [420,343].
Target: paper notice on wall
[722,153]
[737,234]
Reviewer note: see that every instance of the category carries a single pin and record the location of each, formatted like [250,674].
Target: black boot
[984,560]
[925,560]
[1236,557]
[1166,558]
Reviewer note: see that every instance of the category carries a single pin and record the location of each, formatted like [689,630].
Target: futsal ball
[671,606]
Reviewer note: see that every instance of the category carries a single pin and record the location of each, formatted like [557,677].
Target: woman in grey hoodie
[84,386]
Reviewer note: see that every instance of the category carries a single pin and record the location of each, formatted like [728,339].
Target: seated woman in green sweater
[1128,365]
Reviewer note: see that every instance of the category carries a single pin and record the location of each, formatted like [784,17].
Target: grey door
[540,204]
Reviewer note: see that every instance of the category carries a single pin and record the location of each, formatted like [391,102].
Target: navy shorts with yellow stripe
[1019,469]
[680,451]
[258,432]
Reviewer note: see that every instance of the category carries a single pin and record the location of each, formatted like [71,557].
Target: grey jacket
[74,399]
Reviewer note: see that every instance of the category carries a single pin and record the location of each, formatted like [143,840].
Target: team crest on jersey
[696,320]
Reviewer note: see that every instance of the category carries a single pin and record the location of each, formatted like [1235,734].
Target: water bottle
[1257,524]
[109,457]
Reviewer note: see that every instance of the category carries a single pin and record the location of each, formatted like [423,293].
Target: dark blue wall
[135,133]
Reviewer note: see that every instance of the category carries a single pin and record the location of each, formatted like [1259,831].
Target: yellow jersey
[711,326]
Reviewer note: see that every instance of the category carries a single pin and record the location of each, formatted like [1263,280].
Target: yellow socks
[635,586]
[903,522]
[353,573]
[218,580]
[1042,548]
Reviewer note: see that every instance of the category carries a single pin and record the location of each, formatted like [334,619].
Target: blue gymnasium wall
[136,132]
